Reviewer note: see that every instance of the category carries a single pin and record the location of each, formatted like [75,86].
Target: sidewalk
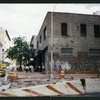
[32,75]
[39,75]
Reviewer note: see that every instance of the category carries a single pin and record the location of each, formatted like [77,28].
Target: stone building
[76,41]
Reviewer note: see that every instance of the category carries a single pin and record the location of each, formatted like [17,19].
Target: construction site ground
[39,75]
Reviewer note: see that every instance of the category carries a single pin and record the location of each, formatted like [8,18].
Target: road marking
[32,92]
[55,90]
[74,88]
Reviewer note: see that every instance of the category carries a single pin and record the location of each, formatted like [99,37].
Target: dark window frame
[37,44]
[97,31]
[41,39]
[2,50]
[83,30]
[68,52]
[44,33]
[64,29]
[94,52]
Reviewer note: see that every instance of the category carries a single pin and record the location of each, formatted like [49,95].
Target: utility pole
[52,76]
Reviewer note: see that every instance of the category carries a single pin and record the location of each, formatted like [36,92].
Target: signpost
[52,76]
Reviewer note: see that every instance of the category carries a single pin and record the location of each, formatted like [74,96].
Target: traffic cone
[62,74]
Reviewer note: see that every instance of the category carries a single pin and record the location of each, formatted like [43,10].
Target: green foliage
[20,51]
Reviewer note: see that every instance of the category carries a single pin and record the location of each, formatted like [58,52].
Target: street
[38,83]
[38,78]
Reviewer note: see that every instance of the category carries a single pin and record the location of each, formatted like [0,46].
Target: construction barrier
[63,88]
[54,89]
[13,75]
[62,74]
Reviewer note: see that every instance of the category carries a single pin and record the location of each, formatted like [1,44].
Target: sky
[25,20]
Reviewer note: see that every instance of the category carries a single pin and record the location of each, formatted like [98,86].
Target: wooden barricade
[62,74]
[13,75]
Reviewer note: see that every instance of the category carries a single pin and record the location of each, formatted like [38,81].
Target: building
[76,41]
[0,52]
[6,43]
[33,46]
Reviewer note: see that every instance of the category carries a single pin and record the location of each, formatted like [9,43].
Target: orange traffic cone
[62,74]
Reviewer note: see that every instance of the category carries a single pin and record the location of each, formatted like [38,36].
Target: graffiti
[65,66]
[83,65]
[60,65]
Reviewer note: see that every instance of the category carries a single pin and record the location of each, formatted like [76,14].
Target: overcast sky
[26,19]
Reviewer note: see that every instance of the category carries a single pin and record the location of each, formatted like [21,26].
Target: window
[97,31]
[44,33]
[2,49]
[83,30]
[94,51]
[40,39]
[37,44]
[64,29]
[66,50]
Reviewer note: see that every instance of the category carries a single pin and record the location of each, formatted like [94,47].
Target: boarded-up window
[94,51]
[83,30]
[66,50]
[64,29]
[97,31]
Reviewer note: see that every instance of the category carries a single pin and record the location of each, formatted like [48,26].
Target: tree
[19,52]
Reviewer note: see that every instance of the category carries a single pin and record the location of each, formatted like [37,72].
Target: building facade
[76,41]
[0,52]
[33,46]
[6,43]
